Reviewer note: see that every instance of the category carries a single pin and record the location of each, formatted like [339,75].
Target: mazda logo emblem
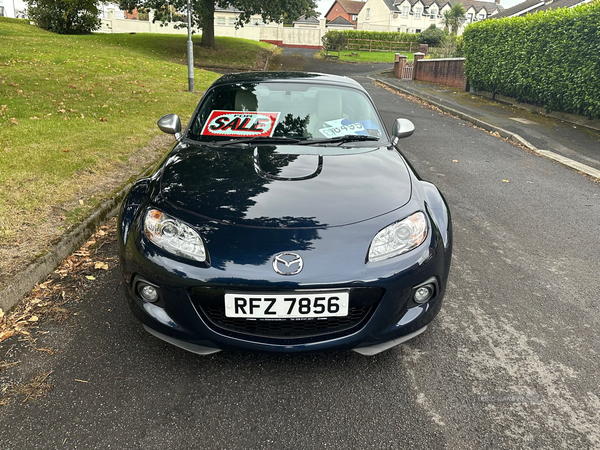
[287,263]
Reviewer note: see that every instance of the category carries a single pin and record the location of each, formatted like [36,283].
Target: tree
[203,11]
[454,17]
[432,36]
[65,16]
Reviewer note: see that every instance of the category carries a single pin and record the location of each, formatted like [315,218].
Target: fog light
[423,293]
[148,292]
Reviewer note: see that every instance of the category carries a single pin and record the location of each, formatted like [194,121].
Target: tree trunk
[208,24]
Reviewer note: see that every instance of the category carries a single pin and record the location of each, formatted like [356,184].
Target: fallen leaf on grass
[89,277]
[66,150]
[103,119]
[101,265]
[14,121]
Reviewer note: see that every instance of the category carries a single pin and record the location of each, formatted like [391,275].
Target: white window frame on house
[405,11]
[368,14]
[469,17]
[232,21]
[220,21]
[481,17]
[257,22]
[354,17]
[417,13]
[433,14]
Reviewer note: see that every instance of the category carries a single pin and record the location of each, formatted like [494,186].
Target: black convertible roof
[311,77]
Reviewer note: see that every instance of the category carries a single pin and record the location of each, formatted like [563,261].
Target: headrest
[329,105]
[245,101]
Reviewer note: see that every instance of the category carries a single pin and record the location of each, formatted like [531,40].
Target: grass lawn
[76,111]
[362,56]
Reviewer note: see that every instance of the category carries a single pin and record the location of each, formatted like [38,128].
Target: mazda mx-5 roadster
[285,219]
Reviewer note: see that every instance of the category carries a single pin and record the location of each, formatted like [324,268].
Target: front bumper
[182,314]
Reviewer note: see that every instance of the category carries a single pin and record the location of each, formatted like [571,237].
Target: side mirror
[402,128]
[170,124]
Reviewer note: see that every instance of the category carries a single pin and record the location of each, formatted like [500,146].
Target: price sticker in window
[337,128]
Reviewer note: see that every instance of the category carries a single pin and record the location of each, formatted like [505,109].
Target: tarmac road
[512,361]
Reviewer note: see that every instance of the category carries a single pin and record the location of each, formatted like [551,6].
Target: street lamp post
[190,50]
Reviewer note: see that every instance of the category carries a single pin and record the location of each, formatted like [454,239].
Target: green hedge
[551,59]
[336,37]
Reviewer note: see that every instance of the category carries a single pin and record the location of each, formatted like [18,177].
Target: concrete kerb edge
[22,283]
[587,170]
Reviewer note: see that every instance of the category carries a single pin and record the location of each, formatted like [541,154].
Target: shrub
[432,36]
[450,47]
[65,16]
[549,58]
[336,37]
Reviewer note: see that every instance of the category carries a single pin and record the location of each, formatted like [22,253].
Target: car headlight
[399,237]
[173,235]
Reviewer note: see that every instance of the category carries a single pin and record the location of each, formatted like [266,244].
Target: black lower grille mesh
[287,328]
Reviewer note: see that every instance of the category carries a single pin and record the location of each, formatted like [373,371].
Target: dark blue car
[285,219]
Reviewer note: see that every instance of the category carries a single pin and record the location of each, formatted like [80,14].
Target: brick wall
[449,71]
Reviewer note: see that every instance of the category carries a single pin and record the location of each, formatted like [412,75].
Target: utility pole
[190,50]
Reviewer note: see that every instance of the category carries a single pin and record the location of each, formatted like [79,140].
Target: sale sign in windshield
[240,124]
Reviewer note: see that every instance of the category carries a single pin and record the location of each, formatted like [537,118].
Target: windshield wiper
[341,139]
[256,140]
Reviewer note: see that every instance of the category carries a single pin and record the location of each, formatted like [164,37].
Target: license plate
[286,306]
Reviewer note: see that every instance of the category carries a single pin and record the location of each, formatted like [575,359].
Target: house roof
[560,4]
[532,6]
[304,19]
[519,9]
[228,9]
[478,5]
[339,20]
[350,6]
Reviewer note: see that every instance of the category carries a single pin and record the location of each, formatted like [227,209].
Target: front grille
[210,304]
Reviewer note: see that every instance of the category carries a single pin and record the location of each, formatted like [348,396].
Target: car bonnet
[278,187]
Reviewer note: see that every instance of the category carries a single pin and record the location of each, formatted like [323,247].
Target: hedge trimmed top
[550,59]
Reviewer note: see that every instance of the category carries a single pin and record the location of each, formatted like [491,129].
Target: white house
[414,16]
[13,8]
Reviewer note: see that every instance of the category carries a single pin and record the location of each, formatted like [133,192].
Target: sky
[324,5]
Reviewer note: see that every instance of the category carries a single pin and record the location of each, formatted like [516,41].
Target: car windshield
[296,111]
